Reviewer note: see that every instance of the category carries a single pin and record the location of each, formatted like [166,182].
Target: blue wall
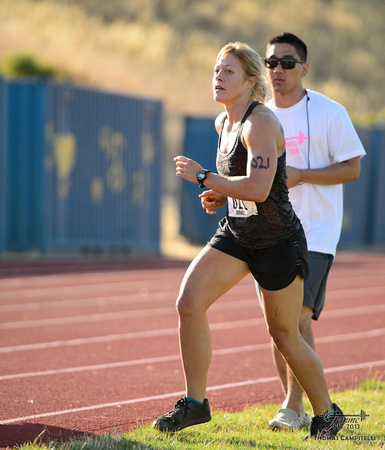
[3,162]
[364,199]
[80,170]
[25,165]
[83,169]
[200,142]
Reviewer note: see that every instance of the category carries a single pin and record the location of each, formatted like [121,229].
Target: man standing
[323,151]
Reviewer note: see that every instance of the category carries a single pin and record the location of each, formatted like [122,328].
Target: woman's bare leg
[210,275]
[282,309]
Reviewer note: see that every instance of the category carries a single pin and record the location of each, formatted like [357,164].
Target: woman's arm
[211,201]
[262,137]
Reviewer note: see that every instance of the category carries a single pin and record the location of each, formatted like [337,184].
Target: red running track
[90,346]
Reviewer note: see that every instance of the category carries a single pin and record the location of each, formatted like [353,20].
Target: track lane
[349,339]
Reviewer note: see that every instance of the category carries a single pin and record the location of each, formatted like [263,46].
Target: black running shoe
[184,414]
[327,425]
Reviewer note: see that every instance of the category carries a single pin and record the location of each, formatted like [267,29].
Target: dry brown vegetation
[166,48]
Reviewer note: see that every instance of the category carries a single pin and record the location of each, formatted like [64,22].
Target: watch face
[201,176]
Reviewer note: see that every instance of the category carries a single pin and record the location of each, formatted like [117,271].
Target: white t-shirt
[332,139]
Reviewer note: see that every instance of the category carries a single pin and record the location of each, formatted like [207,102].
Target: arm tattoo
[257,163]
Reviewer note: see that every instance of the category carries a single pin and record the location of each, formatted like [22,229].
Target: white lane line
[25,284]
[87,318]
[162,359]
[135,362]
[89,290]
[145,295]
[141,296]
[166,311]
[350,367]
[143,273]
[358,311]
[118,315]
[124,336]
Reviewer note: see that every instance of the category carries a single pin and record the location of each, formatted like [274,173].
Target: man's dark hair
[292,39]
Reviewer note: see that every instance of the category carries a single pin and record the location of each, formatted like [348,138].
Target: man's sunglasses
[286,63]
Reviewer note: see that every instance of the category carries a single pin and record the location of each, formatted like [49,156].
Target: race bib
[241,208]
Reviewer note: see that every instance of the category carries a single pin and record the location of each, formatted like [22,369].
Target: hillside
[166,48]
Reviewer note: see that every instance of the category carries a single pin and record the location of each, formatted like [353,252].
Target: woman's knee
[186,305]
[181,305]
[283,340]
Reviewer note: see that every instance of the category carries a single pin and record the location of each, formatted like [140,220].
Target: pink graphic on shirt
[292,144]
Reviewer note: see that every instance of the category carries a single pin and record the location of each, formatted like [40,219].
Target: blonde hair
[252,65]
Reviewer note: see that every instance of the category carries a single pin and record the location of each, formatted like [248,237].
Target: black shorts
[274,268]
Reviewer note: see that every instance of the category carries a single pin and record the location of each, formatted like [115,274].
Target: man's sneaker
[184,414]
[305,420]
[327,425]
[288,419]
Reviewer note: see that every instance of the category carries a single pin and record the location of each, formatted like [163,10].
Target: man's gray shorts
[315,285]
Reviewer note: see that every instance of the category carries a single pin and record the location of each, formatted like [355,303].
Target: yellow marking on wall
[116,178]
[97,189]
[147,148]
[141,179]
[138,187]
[113,144]
[63,157]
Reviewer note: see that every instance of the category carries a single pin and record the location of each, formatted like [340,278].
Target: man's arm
[338,173]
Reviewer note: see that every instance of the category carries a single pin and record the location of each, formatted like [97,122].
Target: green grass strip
[248,429]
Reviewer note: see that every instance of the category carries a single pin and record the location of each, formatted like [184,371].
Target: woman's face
[229,80]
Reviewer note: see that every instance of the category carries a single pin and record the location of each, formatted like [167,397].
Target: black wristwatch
[201,176]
